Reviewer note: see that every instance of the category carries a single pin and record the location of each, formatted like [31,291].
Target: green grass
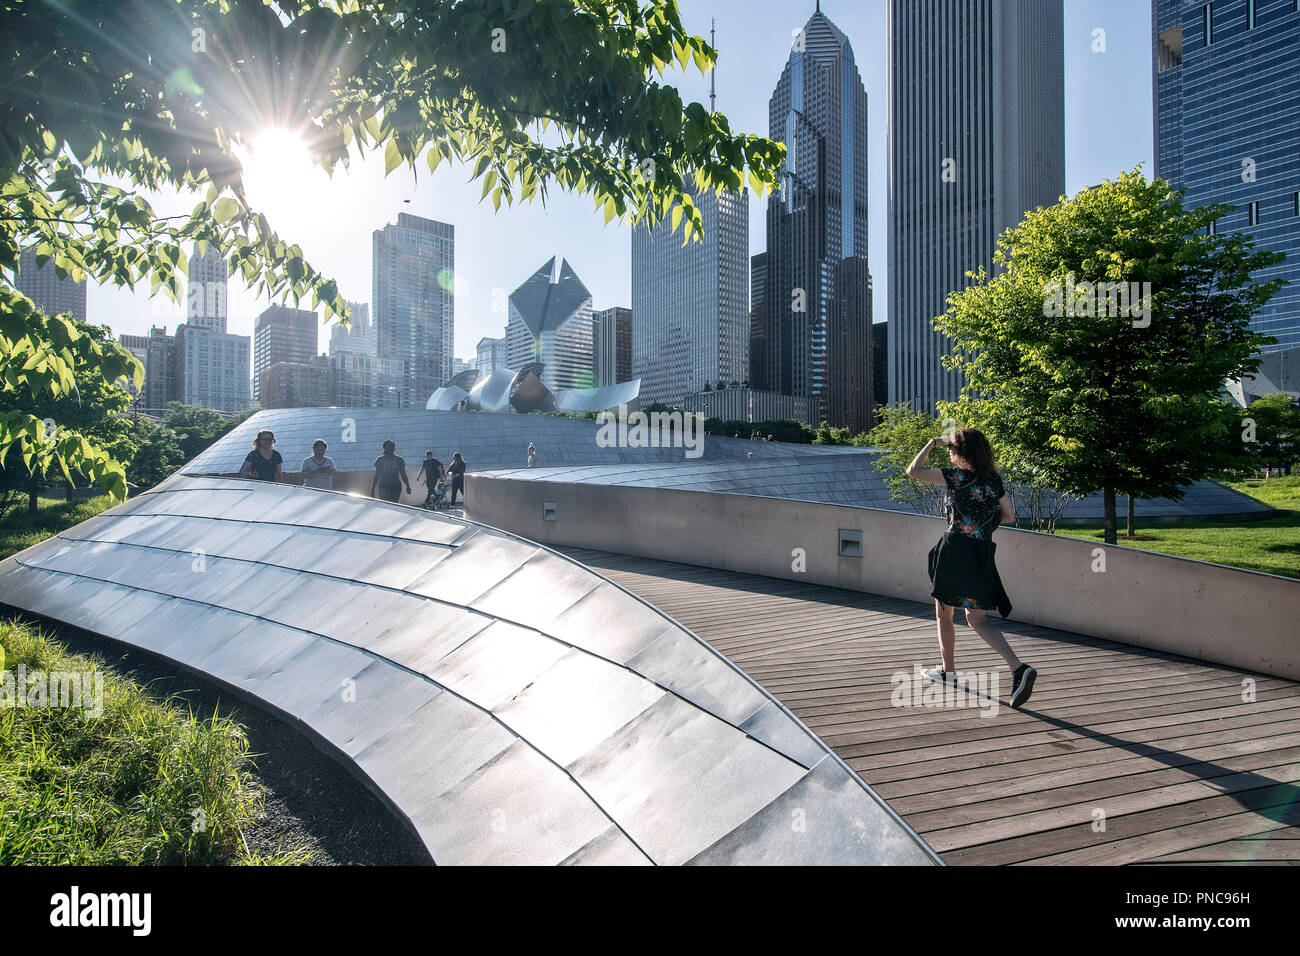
[1271,545]
[19,530]
[146,782]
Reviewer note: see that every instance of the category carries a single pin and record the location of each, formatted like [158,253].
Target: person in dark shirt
[263,462]
[963,569]
[390,474]
[457,471]
[430,473]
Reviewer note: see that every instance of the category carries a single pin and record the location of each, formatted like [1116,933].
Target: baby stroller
[436,495]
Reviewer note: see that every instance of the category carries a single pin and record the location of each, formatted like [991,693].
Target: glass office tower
[690,303]
[1227,128]
[413,302]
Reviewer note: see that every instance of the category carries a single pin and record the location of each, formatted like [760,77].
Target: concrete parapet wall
[1206,611]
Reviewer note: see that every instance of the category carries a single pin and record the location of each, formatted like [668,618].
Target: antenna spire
[713,89]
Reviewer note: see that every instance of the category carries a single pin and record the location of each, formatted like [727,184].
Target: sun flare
[277,154]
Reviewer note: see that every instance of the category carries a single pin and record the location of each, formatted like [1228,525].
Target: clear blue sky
[1108,129]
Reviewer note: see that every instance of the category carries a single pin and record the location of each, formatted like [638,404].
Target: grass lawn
[1271,545]
[19,530]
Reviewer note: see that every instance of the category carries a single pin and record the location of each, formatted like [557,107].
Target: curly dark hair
[969,449]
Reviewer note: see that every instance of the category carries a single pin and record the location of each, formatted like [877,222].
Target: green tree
[197,427]
[827,434]
[91,411]
[1110,389]
[157,455]
[1272,431]
[902,432]
[101,102]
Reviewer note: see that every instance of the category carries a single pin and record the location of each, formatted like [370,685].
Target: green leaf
[225,209]
[392,156]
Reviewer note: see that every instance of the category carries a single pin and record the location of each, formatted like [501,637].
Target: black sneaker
[1022,684]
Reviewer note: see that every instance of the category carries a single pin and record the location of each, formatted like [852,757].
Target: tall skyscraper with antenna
[690,304]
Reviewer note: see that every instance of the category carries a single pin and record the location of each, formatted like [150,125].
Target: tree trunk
[31,502]
[1108,495]
[1130,516]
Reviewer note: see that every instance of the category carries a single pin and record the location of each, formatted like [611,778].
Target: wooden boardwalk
[1123,755]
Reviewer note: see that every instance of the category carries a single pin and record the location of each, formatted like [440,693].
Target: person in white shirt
[318,470]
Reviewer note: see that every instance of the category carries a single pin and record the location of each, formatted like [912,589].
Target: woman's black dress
[962,568]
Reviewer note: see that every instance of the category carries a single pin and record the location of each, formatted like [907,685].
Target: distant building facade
[611,331]
[757,318]
[52,295]
[138,346]
[850,391]
[1226,84]
[550,322]
[976,140]
[880,363]
[211,369]
[206,295]
[357,380]
[748,405]
[359,338]
[491,355]
[296,384]
[282,334]
[412,302]
[159,371]
[690,303]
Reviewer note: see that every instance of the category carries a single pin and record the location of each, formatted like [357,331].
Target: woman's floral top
[972,503]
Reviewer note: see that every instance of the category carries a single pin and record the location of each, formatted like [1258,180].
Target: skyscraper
[976,140]
[52,295]
[690,303]
[818,220]
[612,345]
[206,295]
[550,322]
[210,366]
[359,338]
[412,304]
[282,334]
[1227,128]
[850,369]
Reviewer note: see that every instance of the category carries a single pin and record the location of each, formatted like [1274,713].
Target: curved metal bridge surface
[509,704]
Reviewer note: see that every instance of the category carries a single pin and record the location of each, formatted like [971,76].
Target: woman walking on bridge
[962,569]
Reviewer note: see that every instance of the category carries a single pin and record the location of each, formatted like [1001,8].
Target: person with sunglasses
[263,462]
